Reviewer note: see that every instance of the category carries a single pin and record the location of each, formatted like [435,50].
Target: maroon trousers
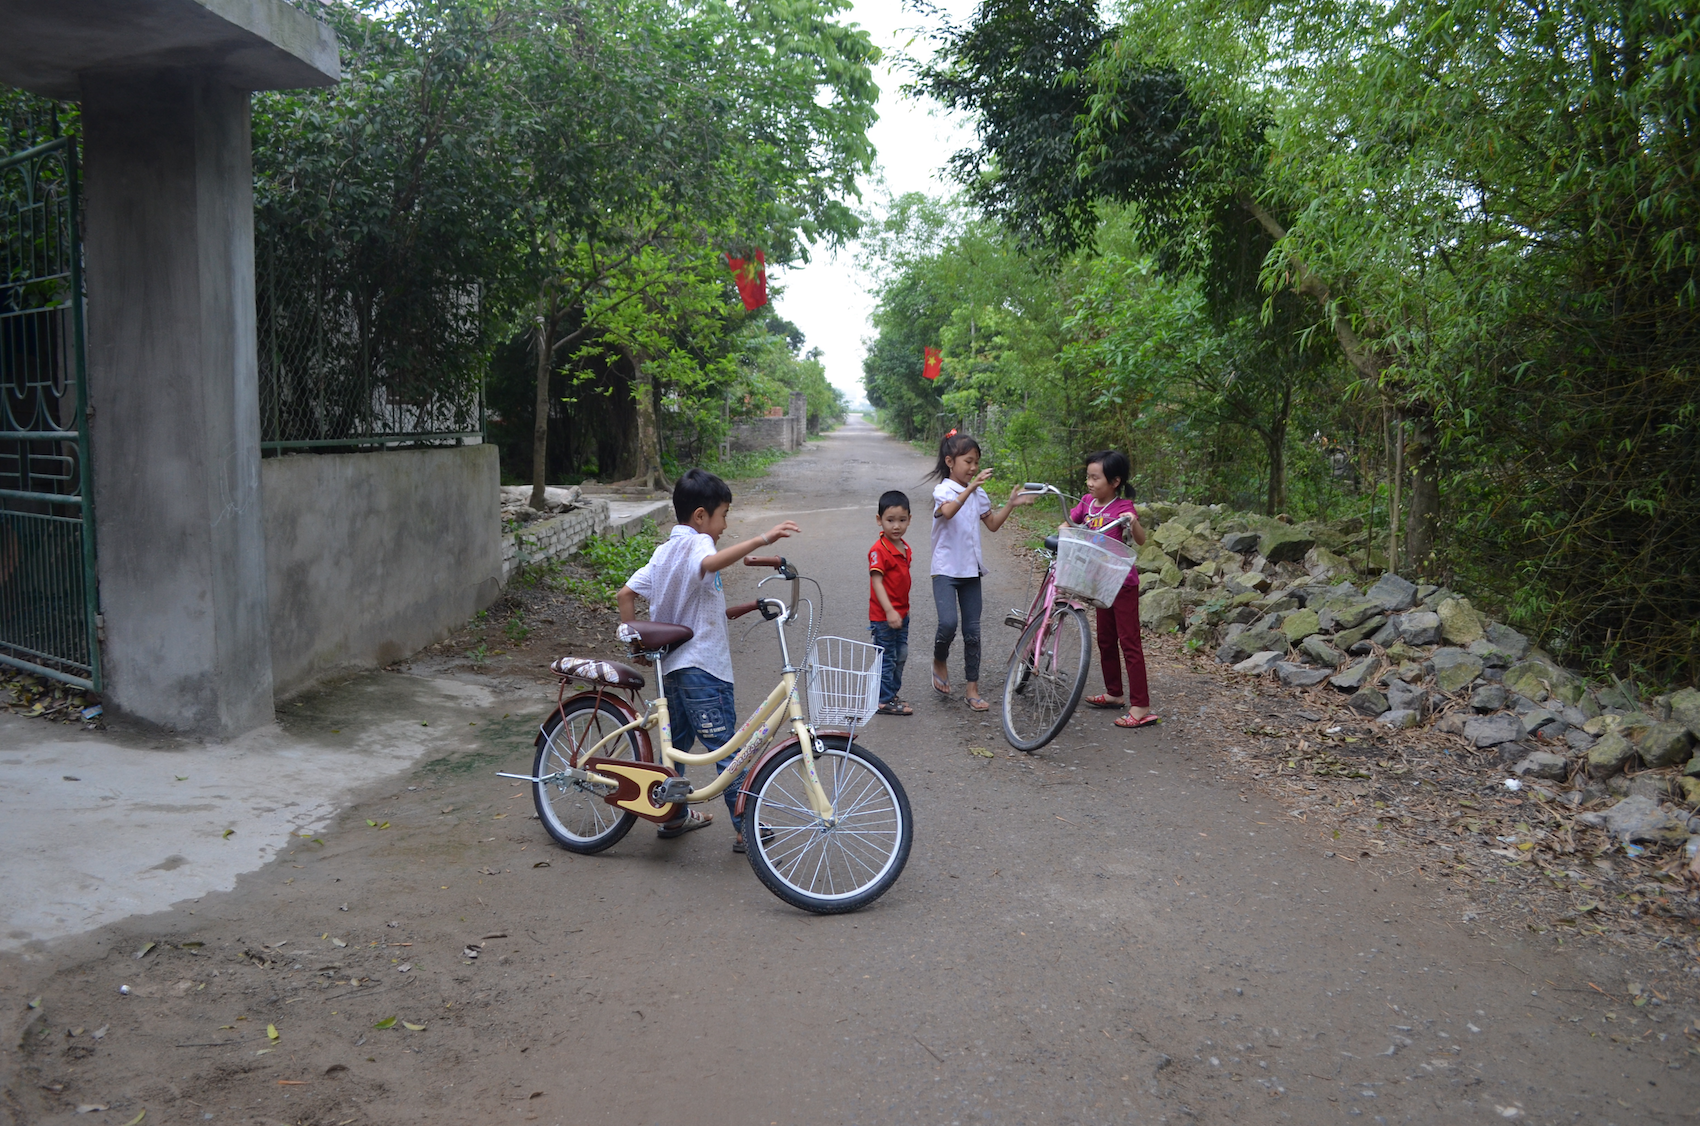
[1119,627]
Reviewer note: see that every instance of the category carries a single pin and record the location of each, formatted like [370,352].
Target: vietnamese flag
[932,363]
[750,275]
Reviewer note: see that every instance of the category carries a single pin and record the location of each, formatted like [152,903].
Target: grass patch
[610,562]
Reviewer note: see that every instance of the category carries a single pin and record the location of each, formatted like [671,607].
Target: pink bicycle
[1048,667]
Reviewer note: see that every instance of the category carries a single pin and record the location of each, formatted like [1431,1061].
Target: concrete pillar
[173,384]
[799,413]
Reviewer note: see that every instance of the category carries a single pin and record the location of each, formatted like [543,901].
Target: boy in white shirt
[682,584]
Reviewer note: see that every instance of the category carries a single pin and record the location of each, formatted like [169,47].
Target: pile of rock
[516,503]
[1276,599]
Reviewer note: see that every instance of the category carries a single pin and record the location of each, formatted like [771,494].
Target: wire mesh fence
[330,373]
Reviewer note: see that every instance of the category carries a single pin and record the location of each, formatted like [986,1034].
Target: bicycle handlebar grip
[735,612]
[774,561]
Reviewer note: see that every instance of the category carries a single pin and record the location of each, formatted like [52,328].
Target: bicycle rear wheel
[1044,682]
[828,869]
[573,812]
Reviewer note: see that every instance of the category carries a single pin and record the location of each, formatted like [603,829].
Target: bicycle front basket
[844,681]
[1091,567]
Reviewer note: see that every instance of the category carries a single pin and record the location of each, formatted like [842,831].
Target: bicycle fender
[646,750]
[838,739]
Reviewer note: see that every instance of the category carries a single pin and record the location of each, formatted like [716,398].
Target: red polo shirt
[883,559]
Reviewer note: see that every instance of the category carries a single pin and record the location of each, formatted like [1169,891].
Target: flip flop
[896,707]
[1146,720]
[1103,700]
[940,686]
[975,703]
[689,823]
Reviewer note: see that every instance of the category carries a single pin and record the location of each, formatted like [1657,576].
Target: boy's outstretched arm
[727,556]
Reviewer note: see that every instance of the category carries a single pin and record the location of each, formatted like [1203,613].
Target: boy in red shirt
[888,598]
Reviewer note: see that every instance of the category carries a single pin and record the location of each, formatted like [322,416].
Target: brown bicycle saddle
[661,637]
[616,673]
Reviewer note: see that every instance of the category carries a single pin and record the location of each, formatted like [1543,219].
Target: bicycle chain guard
[637,782]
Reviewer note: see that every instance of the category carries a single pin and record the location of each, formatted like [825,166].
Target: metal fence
[48,603]
[325,380]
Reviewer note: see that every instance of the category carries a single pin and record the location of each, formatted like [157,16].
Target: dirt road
[1113,931]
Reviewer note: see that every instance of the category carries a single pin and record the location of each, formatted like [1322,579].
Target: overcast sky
[827,298]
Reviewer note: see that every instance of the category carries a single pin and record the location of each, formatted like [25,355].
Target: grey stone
[1285,544]
[1400,717]
[1298,676]
[1505,638]
[1692,770]
[1455,669]
[1452,723]
[1542,764]
[1393,593]
[1610,754]
[1240,543]
[1491,730]
[1161,610]
[1355,677]
[1278,602]
[1368,701]
[1459,622]
[1347,638]
[1251,581]
[1259,663]
[1230,653]
[1406,697]
[1419,627]
[1299,625]
[1685,709]
[1639,818]
[1492,655]
[1665,744]
[1232,630]
[1319,651]
[1508,753]
[1488,698]
[1256,640]
[1386,635]
[1540,719]
[1427,592]
[1356,613]
[1241,616]
[1536,678]
[1578,740]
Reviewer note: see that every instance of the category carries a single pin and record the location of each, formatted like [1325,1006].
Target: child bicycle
[827,824]
[1049,664]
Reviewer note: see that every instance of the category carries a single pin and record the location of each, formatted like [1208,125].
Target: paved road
[1112,931]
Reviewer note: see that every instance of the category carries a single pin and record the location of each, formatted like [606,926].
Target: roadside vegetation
[1422,266]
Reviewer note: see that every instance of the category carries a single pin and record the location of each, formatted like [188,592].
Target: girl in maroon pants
[1118,627]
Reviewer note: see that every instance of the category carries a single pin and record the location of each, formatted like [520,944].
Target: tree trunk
[1422,455]
[648,432]
[1275,445]
[540,420]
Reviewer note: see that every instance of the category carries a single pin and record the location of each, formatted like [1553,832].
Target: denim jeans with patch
[699,706]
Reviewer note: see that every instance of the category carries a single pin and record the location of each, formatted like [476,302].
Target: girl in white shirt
[960,506]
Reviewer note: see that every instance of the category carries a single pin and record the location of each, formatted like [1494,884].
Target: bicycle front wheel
[1045,679]
[574,812]
[828,869]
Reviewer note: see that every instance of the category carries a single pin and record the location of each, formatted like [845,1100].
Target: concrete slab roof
[252,44]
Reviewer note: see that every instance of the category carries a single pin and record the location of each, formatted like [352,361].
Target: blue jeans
[699,706]
[947,592]
[896,643]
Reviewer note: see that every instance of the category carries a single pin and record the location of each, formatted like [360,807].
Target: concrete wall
[788,432]
[174,401]
[371,557]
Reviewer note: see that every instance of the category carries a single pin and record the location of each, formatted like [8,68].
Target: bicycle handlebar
[735,612]
[774,561]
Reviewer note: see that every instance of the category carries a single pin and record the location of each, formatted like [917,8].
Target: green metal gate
[48,599]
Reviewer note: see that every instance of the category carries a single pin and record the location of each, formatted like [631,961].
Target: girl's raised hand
[980,479]
[1017,498]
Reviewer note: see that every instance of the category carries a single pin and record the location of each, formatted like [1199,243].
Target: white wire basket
[1091,567]
[844,681]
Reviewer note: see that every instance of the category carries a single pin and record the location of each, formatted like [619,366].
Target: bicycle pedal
[673,790]
[1015,618]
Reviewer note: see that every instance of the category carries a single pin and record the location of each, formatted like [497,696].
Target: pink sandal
[1131,720]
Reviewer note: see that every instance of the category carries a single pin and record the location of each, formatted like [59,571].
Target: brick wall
[553,537]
